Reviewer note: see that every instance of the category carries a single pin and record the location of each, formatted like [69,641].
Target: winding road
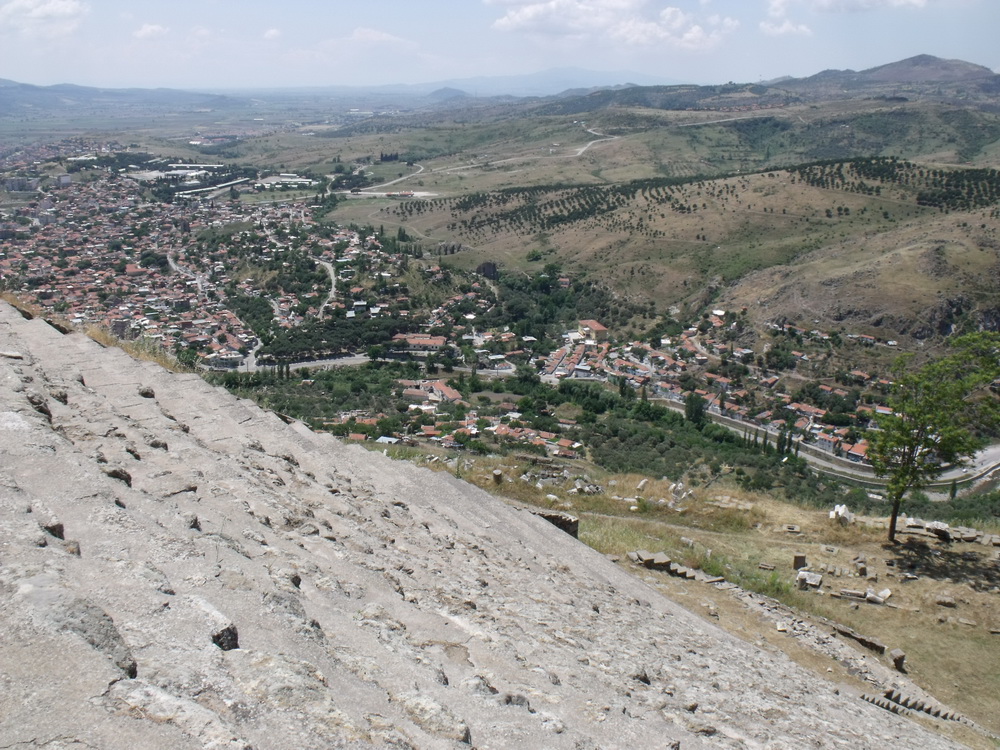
[333,286]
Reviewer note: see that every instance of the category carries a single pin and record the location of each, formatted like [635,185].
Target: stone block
[806,579]
[227,638]
[563,521]
[898,658]
[659,561]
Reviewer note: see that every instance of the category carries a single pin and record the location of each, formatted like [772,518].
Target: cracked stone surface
[181,569]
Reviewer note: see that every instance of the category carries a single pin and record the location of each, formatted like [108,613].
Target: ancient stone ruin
[181,569]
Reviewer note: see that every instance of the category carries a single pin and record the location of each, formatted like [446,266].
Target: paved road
[176,267]
[420,168]
[602,137]
[725,119]
[985,462]
[333,286]
[348,360]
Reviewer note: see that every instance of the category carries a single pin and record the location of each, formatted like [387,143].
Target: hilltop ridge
[917,69]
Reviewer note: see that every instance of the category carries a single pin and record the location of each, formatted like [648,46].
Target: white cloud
[366,35]
[853,5]
[785,28]
[782,25]
[150,31]
[42,18]
[272,34]
[630,21]
[779,8]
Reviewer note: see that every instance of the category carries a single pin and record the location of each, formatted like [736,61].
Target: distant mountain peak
[445,93]
[924,68]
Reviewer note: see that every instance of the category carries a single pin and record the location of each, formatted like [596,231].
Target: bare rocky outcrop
[256,585]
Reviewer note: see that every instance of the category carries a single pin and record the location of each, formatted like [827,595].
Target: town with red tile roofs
[236,285]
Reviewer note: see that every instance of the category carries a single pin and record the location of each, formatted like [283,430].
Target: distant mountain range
[922,69]
[24,97]
[923,77]
[552,82]
[571,90]
[549,82]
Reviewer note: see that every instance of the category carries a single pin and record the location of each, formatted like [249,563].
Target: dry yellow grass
[143,349]
[26,308]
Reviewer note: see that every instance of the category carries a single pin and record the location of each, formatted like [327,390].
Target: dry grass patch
[25,308]
[143,349]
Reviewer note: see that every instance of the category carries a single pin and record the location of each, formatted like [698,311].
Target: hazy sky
[251,43]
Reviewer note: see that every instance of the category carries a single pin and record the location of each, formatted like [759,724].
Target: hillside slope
[182,569]
[869,262]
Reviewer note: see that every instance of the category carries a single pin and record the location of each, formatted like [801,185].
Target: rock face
[256,585]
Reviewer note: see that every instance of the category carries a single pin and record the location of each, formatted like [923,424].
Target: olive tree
[940,412]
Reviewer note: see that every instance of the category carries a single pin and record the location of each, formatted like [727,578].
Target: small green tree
[938,414]
[694,409]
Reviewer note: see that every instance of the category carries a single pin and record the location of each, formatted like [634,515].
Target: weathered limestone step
[334,596]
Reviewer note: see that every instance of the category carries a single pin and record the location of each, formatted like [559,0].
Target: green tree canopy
[694,409]
[939,413]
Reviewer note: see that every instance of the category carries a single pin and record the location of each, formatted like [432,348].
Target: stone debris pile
[939,530]
[660,561]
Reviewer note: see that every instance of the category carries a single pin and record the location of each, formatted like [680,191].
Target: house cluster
[678,368]
[366,283]
[502,421]
[97,253]
[817,335]
[461,310]
[24,159]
